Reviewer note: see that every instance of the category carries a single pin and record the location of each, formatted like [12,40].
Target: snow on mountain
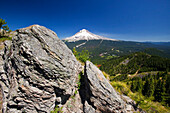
[86,35]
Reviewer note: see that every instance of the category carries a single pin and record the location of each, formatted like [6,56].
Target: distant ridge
[86,35]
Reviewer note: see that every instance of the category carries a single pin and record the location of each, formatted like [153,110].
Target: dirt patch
[1,45]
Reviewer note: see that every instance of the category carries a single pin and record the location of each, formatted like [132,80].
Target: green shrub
[57,110]
[2,39]
[82,56]
[79,78]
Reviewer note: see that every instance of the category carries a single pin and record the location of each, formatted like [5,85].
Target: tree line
[155,86]
[139,61]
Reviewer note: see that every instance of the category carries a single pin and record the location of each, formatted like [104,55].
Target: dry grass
[1,46]
[106,75]
[145,103]
[2,39]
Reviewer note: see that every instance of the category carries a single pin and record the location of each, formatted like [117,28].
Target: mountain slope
[136,63]
[146,75]
[102,48]
[105,49]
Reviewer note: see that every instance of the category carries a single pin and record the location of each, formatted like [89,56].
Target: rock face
[39,72]
[99,93]
[98,96]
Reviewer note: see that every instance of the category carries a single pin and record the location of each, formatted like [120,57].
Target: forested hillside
[144,74]
[101,50]
[135,63]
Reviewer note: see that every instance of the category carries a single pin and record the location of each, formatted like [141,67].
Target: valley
[133,68]
[101,49]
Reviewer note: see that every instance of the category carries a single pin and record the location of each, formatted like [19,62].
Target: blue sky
[132,20]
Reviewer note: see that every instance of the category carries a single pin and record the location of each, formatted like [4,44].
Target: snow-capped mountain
[86,35]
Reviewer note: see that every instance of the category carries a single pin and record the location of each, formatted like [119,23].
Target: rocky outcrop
[38,73]
[1,73]
[99,94]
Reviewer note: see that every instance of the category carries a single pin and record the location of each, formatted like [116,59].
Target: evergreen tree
[164,95]
[167,100]
[157,93]
[152,87]
[145,88]
[149,87]
[3,28]
[139,85]
[133,86]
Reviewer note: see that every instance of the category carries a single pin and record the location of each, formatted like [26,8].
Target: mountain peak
[86,35]
[83,30]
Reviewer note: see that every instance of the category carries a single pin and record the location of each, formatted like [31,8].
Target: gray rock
[131,105]
[38,72]
[39,69]
[88,108]
[3,79]
[99,93]
[98,96]
[73,105]
[129,108]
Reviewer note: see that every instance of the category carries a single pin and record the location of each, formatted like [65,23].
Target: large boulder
[40,71]
[100,96]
